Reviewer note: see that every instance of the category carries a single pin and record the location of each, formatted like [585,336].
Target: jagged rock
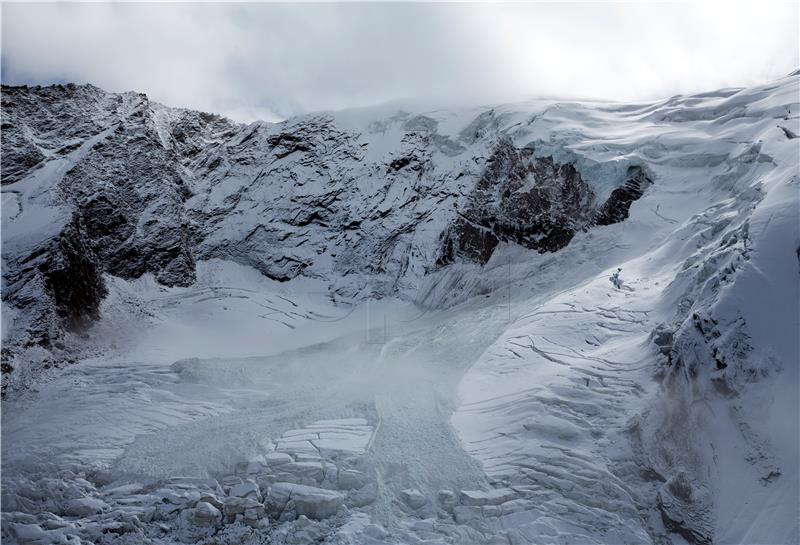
[532,201]
[616,208]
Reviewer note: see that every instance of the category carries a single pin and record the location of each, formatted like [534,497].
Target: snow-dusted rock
[413,498]
[315,503]
[212,499]
[84,506]
[246,489]
[351,479]
[313,471]
[205,514]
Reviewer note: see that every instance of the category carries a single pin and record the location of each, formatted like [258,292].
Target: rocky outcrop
[532,201]
[130,193]
[370,209]
[66,272]
[616,208]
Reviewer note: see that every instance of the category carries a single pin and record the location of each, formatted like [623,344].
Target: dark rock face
[616,208]
[26,145]
[532,201]
[61,285]
[135,220]
[72,277]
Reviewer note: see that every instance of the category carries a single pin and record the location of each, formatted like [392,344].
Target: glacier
[539,322]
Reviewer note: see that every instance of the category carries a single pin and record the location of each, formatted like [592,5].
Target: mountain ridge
[152,189]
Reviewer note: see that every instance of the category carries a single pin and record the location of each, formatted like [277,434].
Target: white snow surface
[546,409]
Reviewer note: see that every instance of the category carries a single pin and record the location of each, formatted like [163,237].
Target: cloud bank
[269,61]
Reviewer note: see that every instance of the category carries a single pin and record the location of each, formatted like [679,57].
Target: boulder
[413,498]
[204,514]
[313,471]
[212,499]
[313,502]
[246,489]
[350,479]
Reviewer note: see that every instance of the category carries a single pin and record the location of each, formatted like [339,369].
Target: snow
[525,401]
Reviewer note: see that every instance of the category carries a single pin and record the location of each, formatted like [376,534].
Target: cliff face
[132,187]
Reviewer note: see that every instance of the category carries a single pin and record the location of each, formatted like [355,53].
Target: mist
[271,61]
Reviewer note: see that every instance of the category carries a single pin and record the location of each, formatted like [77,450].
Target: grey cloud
[274,60]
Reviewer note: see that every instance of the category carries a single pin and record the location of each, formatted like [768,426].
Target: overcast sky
[269,61]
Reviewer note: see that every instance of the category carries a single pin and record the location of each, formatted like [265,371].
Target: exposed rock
[350,479]
[212,499]
[246,489]
[313,502]
[686,511]
[205,514]
[313,471]
[616,208]
[532,201]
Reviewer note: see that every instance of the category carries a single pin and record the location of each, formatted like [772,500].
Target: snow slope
[638,384]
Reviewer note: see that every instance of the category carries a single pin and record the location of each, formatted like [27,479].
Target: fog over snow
[268,61]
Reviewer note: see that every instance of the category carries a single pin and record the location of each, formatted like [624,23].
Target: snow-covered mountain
[542,322]
[369,207]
